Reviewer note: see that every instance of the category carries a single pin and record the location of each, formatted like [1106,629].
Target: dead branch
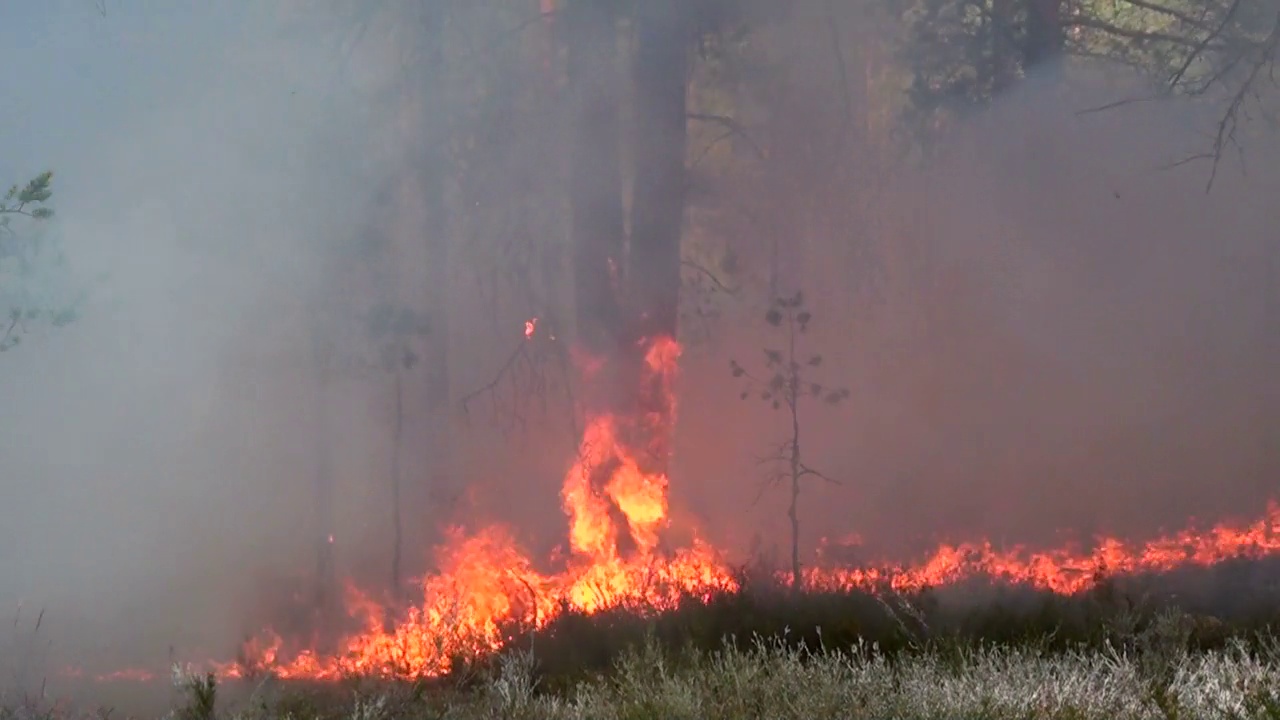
[1201,46]
[733,127]
[710,276]
[1174,13]
[805,471]
[1080,21]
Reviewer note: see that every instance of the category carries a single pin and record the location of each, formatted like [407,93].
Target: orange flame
[1069,571]
[487,587]
[486,584]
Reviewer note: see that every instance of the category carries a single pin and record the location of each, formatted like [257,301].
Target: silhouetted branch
[491,388]
[520,371]
[1171,12]
[805,470]
[709,275]
[733,127]
[1201,46]
[1145,35]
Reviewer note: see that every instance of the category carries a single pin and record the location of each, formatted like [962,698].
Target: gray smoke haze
[1058,333]
[1067,337]
[158,453]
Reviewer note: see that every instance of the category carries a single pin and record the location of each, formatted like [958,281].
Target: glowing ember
[530,327]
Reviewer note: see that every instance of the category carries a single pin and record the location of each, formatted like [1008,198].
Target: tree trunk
[547,9]
[396,524]
[596,225]
[661,75]
[1045,40]
[797,466]
[326,578]
[661,83]
[793,510]
[1003,52]
[435,169]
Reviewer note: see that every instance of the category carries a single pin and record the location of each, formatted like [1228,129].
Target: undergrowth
[967,652]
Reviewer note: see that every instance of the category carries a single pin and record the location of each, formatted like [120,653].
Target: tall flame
[486,583]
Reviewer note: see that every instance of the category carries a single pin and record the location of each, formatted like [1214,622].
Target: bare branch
[1200,47]
[1118,104]
[805,471]
[492,388]
[9,341]
[1230,121]
[1131,34]
[733,127]
[1171,12]
[709,275]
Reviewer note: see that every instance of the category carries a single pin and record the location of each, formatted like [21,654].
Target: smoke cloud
[1051,329]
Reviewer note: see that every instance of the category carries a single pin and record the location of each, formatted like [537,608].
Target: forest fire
[486,587]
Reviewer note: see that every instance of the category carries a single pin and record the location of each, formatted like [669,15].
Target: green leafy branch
[30,201]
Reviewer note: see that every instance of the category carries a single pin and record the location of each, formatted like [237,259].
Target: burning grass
[487,591]
[834,655]
[1159,646]
[625,627]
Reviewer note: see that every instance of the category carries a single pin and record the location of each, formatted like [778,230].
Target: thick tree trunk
[1045,40]
[660,82]
[595,183]
[661,86]
[596,214]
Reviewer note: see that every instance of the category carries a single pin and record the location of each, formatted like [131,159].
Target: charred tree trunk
[660,82]
[596,223]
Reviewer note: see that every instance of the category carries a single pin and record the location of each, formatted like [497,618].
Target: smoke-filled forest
[640,359]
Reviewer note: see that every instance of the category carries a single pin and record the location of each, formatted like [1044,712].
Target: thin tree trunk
[547,9]
[434,174]
[396,525]
[797,467]
[1003,52]
[325,579]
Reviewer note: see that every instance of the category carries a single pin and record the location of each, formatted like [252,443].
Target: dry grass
[769,679]
[768,654]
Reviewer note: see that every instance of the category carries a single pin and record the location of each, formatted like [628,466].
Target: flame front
[486,585]
[617,510]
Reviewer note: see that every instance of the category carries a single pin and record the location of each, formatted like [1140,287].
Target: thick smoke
[1049,329]
[214,172]
[1067,336]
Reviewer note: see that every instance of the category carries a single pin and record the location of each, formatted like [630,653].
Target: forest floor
[1201,645]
